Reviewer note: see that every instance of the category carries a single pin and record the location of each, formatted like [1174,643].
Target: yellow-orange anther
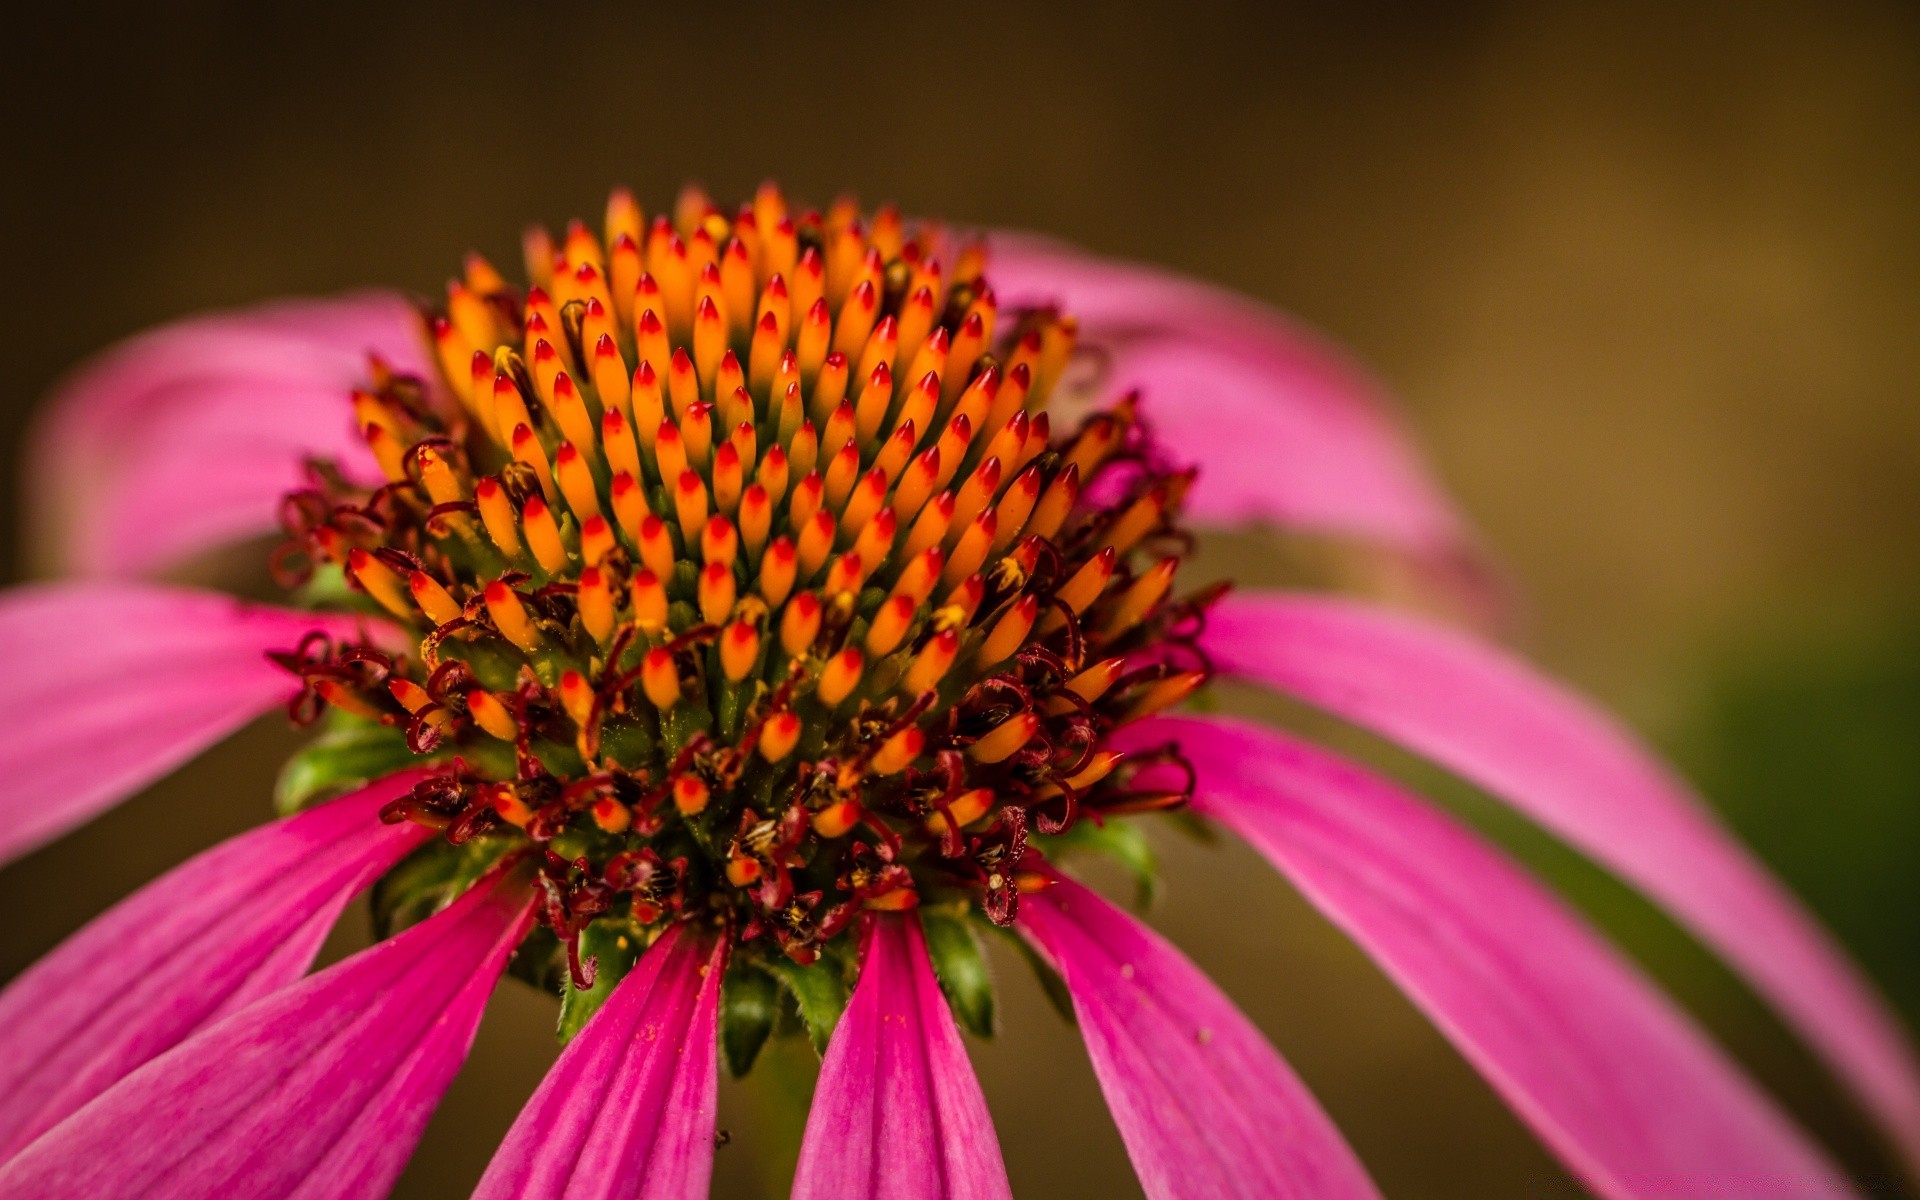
[433,599]
[453,351]
[773,474]
[716,593]
[919,576]
[917,407]
[763,353]
[496,514]
[510,616]
[411,695]
[696,432]
[739,650]
[816,541]
[719,541]
[842,427]
[670,451]
[611,815]
[1006,445]
[966,808]
[916,319]
[596,540]
[1141,597]
[616,441]
[811,343]
[897,451]
[438,477]
[1015,506]
[1010,632]
[727,478]
[1140,519]
[543,536]
[381,582]
[576,481]
[570,411]
[656,547]
[870,406]
[690,795]
[660,679]
[576,696]
[1165,694]
[756,518]
[916,484]
[803,450]
[629,505]
[976,493]
[1092,683]
[527,452]
[1096,441]
[1006,739]
[931,526]
[651,345]
[1015,382]
[345,698]
[840,675]
[933,662]
[472,316]
[387,451]
[512,809]
[690,500]
[970,551]
[856,320]
[890,625]
[649,411]
[649,601]
[778,570]
[683,382]
[1098,768]
[977,400]
[596,604]
[1088,582]
[875,543]
[882,344]
[953,443]
[836,819]
[800,624]
[829,389]
[844,576]
[491,715]
[779,736]
[867,497]
[897,753]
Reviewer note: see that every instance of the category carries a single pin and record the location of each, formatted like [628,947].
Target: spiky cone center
[745,576]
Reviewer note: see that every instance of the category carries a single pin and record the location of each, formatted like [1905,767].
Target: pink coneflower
[726,632]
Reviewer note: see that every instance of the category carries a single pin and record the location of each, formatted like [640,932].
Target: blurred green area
[1646,276]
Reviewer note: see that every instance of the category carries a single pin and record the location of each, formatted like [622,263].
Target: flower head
[726,628]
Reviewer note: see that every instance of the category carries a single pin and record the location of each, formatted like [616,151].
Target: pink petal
[627,1112]
[1488,717]
[1284,427]
[186,436]
[897,1114]
[1206,1106]
[224,929]
[110,686]
[1615,1078]
[318,1091]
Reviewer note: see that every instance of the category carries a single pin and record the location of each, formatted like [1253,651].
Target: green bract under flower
[744,578]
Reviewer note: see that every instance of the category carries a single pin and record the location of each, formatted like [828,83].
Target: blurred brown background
[1647,278]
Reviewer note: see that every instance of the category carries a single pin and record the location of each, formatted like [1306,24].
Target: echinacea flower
[726,630]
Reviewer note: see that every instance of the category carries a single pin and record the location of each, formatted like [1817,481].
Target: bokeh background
[1646,277]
